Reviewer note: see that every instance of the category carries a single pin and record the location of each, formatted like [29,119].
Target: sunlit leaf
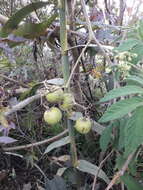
[121,108]
[127,45]
[122,91]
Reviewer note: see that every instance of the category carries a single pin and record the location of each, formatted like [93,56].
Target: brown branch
[36,143]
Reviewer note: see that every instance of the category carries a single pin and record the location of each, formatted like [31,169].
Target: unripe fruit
[68,102]
[83,125]
[52,116]
[56,96]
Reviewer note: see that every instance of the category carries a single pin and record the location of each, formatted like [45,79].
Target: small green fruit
[83,125]
[52,116]
[55,97]
[68,102]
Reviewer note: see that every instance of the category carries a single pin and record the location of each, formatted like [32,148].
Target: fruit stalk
[66,73]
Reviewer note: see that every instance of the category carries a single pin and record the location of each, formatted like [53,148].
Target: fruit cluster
[66,103]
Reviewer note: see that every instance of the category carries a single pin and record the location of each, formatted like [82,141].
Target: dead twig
[91,33]
[120,172]
[31,145]
[99,168]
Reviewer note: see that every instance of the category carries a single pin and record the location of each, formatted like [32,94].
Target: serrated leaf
[122,91]
[56,144]
[127,45]
[131,183]
[14,20]
[105,137]
[121,108]
[90,168]
[134,131]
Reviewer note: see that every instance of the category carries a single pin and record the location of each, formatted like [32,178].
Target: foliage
[43,48]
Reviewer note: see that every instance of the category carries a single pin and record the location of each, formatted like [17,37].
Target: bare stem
[91,33]
[77,62]
[120,172]
[66,73]
[99,168]
[36,143]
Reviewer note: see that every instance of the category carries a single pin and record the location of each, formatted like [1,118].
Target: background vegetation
[93,51]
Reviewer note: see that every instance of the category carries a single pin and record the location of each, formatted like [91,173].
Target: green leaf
[121,133]
[132,167]
[136,79]
[134,131]
[123,91]
[90,168]
[131,183]
[14,20]
[127,45]
[34,30]
[121,108]
[56,144]
[105,137]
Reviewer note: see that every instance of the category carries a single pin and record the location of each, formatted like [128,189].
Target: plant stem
[66,73]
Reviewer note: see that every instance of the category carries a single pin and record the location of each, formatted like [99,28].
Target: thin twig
[91,33]
[77,62]
[91,45]
[99,168]
[120,172]
[31,145]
